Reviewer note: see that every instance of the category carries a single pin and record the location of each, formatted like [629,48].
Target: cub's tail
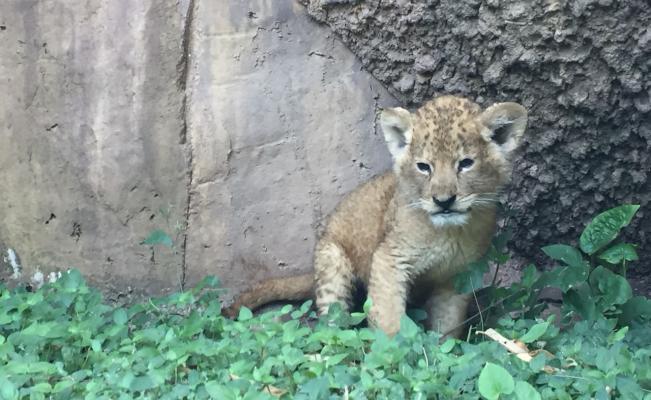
[290,288]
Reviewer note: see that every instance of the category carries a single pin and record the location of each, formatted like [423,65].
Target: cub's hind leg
[446,310]
[333,275]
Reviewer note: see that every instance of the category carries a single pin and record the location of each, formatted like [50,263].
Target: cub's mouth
[448,218]
[448,212]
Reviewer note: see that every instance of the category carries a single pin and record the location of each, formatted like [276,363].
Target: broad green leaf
[34,367]
[334,360]
[346,335]
[471,279]
[524,391]
[120,316]
[613,288]
[618,253]
[408,328]
[245,314]
[619,335]
[367,305]
[42,387]
[580,300]
[605,227]
[8,391]
[71,280]
[221,392]
[447,346]
[538,362]
[316,388]
[635,308]
[529,276]
[50,330]
[158,236]
[567,254]
[535,332]
[494,381]
[567,277]
[62,385]
[141,383]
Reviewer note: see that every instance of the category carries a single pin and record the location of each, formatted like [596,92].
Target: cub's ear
[504,125]
[396,125]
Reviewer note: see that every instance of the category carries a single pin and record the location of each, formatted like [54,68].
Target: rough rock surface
[281,126]
[580,67]
[233,126]
[91,119]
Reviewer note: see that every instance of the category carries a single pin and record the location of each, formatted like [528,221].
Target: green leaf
[35,367]
[613,288]
[62,385]
[158,236]
[50,330]
[471,279]
[408,328]
[635,308]
[316,388]
[447,346]
[494,380]
[605,227]
[245,314]
[580,300]
[535,332]
[8,391]
[567,254]
[367,305]
[567,277]
[42,387]
[221,392]
[141,383]
[334,360]
[120,316]
[619,335]
[71,280]
[529,276]
[618,253]
[524,391]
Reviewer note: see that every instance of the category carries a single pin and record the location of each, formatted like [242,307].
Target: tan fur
[390,233]
[290,288]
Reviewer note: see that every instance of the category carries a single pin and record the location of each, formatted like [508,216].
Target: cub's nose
[445,204]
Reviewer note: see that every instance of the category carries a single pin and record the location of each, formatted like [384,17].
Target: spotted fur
[407,233]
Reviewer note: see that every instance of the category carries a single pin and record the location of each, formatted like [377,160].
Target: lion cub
[407,233]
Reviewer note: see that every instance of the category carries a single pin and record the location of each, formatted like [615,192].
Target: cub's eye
[424,167]
[465,164]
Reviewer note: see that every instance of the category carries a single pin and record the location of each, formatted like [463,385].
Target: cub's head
[450,156]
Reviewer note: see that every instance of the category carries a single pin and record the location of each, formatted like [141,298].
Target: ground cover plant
[64,341]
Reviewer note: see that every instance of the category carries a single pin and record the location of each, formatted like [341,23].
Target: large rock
[281,123]
[122,117]
[92,120]
[581,67]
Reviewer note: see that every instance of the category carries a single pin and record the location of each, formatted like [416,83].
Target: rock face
[90,139]
[233,127]
[281,122]
[580,67]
